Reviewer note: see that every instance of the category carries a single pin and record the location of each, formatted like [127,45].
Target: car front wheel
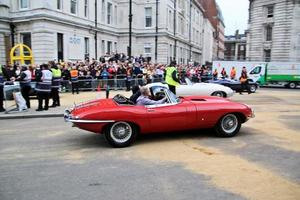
[120,134]
[218,94]
[228,126]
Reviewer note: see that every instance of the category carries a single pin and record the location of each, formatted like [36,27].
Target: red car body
[193,112]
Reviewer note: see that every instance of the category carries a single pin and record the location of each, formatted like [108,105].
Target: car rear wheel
[253,88]
[228,126]
[218,94]
[120,134]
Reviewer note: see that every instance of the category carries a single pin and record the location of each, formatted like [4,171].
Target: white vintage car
[204,89]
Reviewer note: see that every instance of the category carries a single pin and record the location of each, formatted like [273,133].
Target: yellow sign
[21,53]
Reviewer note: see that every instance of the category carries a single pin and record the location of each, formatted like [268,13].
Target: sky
[235,13]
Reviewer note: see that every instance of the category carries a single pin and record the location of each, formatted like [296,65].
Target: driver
[145,100]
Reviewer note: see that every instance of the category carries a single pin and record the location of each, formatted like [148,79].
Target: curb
[28,116]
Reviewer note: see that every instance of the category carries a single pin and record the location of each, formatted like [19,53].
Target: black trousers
[75,86]
[55,96]
[43,96]
[1,98]
[25,93]
[245,86]
[172,88]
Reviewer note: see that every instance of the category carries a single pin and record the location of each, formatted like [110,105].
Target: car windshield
[173,97]
[188,81]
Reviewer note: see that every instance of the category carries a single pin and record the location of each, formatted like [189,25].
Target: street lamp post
[130,29]
[156,31]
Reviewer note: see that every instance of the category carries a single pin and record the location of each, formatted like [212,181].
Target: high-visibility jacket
[169,78]
[232,73]
[27,79]
[56,73]
[74,75]
[46,81]
[1,77]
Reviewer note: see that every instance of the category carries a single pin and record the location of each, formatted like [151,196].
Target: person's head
[24,67]
[44,66]
[145,91]
[173,63]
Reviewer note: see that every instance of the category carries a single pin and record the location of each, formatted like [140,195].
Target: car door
[167,117]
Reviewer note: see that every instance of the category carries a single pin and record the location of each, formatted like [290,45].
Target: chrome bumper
[69,118]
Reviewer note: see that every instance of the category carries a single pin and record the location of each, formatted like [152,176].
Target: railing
[116,83]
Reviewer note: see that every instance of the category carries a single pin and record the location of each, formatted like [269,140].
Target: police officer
[25,80]
[1,89]
[43,86]
[74,79]
[56,79]
[171,77]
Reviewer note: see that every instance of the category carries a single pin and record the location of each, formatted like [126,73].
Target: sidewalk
[67,100]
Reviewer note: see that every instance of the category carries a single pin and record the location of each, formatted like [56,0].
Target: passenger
[144,98]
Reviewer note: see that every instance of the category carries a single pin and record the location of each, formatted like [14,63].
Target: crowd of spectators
[117,66]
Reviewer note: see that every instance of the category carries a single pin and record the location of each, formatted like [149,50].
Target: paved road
[48,159]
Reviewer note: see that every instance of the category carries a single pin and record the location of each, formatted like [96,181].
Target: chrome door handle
[150,110]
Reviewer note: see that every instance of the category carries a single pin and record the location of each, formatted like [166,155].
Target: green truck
[287,74]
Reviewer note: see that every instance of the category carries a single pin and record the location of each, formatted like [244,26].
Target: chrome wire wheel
[229,123]
[218,94]
[120,132]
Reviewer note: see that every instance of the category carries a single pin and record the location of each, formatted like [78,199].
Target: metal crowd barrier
[116,83]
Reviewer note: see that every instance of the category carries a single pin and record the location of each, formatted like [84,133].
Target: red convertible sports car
[121,121]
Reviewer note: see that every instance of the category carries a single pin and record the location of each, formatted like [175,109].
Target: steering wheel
[159,95]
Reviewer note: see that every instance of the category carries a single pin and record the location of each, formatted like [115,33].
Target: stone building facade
[274,31]
[76,29]
[235,47]
[214,14]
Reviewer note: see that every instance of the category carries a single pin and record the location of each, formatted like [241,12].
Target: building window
[73,6]
[103,47]
[26,39]
[86,47]
[270,11]
[269,30]
[60,47]
[59,4]
[267,55]
[109,47]
[147,48]
[103,11]
[86,8]
[24,4]
[148,17]
[116,15]
[109,9]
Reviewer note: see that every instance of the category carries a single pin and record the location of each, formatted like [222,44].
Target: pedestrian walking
[74,80]
[56,79]
[1,89]
[25,83]
[232,73]
[171,77]
[43,87]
